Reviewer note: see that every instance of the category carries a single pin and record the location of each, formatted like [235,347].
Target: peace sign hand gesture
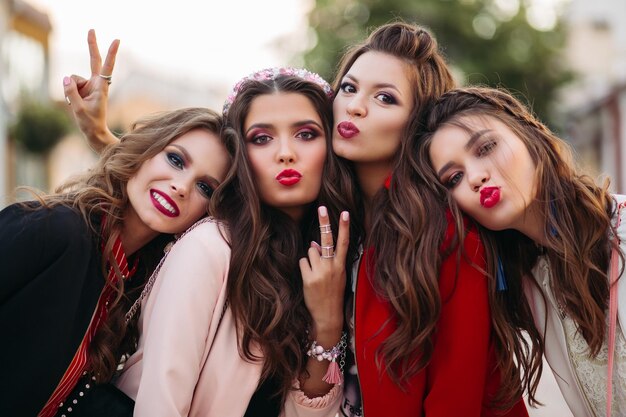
[88,97]
[324,282]
[324,277]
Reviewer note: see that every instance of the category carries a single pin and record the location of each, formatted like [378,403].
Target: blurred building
[24,69]
[595,104]
[138,91]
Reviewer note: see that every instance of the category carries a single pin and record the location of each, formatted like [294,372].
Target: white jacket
[556,346]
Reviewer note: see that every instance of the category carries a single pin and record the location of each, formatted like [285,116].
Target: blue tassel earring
[500,277]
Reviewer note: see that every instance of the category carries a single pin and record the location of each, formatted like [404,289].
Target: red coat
[460,378]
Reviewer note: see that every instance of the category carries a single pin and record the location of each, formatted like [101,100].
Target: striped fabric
[79,362]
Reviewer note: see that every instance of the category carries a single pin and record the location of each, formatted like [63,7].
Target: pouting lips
[347,130]
[489,196]
[288,177]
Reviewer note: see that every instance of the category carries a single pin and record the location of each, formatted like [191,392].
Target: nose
[286,153]
[477,179]
[180,187]
[356,106]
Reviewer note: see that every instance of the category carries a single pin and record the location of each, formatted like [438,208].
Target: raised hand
[324,282]
[324,275]
[88,97]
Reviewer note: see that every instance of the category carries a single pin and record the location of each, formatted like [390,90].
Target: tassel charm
[333,374]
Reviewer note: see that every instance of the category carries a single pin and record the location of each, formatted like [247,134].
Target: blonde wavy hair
[101,194]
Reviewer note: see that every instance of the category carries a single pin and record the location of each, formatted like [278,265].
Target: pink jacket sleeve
[299,405]
[177,320]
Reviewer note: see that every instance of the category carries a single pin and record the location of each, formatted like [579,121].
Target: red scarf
[79,363]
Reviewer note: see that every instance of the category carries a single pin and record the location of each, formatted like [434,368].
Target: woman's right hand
[88,97]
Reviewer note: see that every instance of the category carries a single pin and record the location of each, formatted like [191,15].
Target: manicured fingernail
[322,211]
[66,80]
[345,216]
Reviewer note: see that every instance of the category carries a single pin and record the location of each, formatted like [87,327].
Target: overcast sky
[208,41]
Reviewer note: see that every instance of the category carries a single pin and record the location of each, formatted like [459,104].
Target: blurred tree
[38,127]
[488,42]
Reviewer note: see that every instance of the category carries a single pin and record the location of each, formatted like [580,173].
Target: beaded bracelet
[334,374]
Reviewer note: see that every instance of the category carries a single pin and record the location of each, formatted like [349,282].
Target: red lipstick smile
[347,130]
[164,203]
[288,177]
[489,196]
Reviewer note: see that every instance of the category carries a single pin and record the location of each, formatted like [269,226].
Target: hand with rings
[88,97]
[324,276]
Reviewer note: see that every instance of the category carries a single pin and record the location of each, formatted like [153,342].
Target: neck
[132,242]
[295,213]
[371,177]
[532,225]
[135,234]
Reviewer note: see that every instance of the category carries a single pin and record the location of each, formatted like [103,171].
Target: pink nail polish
[345,216]
[66,81]
[323,211]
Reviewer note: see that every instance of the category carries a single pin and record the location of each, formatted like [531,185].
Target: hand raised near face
[324,278]
[88,97]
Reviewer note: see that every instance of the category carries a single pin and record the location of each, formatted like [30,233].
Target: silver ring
[328,251]
[325,229]
[67,100]
[108,78]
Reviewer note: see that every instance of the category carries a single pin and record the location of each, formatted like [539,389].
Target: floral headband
[272,74]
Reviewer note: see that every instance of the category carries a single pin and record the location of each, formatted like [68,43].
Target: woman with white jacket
[551,234]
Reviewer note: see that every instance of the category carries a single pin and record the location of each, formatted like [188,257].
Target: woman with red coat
[423,340]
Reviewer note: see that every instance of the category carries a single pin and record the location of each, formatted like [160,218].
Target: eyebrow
[379,85]
[296,124]
[213,181]
[472,139]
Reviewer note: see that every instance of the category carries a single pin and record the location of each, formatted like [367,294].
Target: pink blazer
[187,362]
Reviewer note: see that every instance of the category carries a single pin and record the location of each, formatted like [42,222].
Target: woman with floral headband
[227,307]
[557,235]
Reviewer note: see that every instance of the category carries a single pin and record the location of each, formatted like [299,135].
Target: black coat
[50,281]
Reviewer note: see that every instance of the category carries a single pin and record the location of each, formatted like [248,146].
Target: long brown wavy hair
[101,193]
[577,215]
[404,232]
[264,281]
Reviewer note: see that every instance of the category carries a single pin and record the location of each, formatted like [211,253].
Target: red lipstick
[288,177]
[164,203]
[347,130]
[489,196]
